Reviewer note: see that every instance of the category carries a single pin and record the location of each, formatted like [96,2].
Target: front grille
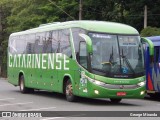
[120,86]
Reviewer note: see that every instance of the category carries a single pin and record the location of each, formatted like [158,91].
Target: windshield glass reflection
[116,55]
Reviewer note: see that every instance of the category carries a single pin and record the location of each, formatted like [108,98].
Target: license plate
[121,93]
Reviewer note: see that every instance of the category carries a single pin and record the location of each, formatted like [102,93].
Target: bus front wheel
[22,87]
[114,100]
[69,92]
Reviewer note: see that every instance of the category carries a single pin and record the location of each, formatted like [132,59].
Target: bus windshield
[119,56]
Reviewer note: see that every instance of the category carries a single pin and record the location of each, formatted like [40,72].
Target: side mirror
[151,47]
[88,42]
[150,43]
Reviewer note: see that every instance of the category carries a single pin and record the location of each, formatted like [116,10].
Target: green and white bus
[92,59]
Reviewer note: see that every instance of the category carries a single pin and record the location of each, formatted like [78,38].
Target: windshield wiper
[101,71]
[98,70]
[127,62]
[111,60]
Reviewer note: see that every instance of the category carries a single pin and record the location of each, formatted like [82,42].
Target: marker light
[142,92]
[96,91]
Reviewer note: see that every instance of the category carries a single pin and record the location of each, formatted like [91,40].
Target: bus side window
[30,43]
[64,37]
[18,44]
[157,54]
[12,45]
[55,41]
[39,43]
[83,54]
[77,39]
[48,43]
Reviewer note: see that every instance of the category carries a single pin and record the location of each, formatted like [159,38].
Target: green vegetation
[18,15]
[150,31]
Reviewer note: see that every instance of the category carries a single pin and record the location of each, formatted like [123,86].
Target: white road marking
[52,118]
[7,98]
[16,104]
[38,109]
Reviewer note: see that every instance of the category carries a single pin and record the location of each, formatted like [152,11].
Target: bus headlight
[99,82]
[96,81]
[142,83]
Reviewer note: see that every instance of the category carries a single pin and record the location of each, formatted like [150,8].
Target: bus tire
[114,100]
[22,87]
[69,91]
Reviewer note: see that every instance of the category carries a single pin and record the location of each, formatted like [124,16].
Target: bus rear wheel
[22,87]
[114,100]
[69,91]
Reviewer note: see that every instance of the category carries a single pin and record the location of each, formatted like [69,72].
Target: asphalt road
[12,100]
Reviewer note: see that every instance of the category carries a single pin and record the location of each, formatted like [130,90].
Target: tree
[5,7]
[18,15]
[135,13]
[150,31]
[106,10]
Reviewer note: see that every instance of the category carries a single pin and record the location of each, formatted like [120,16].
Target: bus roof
[95,26]
[155,40]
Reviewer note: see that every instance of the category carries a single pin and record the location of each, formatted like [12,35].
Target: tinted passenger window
[83,54]
[157,52]
[39,43]
[17,45]
[47,47]
[76,37]
[55,41]
[64,37]
[30,42]
[44,42]
[12,45]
